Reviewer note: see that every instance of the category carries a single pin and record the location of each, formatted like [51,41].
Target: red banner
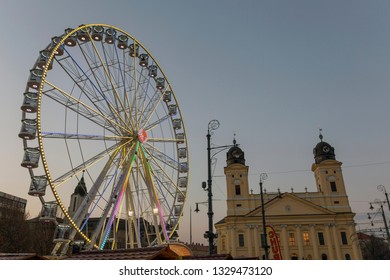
[273,242]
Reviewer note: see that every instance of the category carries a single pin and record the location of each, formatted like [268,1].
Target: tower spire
[321,137]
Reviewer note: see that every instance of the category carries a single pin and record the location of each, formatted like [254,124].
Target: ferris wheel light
[131,213]
[155,210]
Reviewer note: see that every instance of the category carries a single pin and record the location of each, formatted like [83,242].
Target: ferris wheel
[100,114]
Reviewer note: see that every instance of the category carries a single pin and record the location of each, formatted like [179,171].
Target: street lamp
[379,202]
[382,188]
[213,125]
[197,206]
[263,177]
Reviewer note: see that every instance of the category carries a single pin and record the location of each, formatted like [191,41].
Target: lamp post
[377,201]
[213,125]
[382,188]
[263,177]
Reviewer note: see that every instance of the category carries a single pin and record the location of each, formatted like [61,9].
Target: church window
[223,244]
[321,239]
[344,239]
[347,256]
[241,242]
[324,257]
[306,239]
[238,189]
[291,239]
[333,186]
[238,205]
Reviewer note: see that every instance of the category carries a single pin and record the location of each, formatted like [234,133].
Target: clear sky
[272,73]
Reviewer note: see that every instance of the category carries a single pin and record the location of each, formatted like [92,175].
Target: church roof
[235,155]
[323,151]
[81,189]
[290,204]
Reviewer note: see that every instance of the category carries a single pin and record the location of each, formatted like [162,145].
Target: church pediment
[289,204]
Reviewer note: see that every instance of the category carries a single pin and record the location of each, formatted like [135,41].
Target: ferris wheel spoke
[162,176]
[157,122]
[162,157]
[164,140]
[81,80]
[142,92]
[87,164]
[150,108]
[118,193]
[130,211]
[113,65]
[154,197]
[96,86]
[60,135]
[107,74]
[80,107]
[82,210]
[145,213]
[126,91]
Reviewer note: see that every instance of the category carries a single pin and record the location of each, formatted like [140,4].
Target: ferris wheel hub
[142,136]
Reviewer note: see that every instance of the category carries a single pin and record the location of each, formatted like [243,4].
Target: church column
[228,241]
[336,242]
[250,245]
[233,241]
[284,241]
[329,242]
[356,252]
[298,234]
[256,238]
[316,255]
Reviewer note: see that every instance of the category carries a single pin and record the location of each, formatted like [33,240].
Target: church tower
[237,185]
[329,177]
[77,196]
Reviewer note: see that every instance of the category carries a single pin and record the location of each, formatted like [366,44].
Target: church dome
[235,155]
[323,151]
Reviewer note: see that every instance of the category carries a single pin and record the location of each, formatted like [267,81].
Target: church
[306,225]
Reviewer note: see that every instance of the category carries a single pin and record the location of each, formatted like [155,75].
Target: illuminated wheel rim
[107,114]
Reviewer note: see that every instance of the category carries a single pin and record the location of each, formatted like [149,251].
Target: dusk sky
[271,72]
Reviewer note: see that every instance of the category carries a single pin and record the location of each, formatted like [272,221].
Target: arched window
[324,257]
[237,186]
[347,256]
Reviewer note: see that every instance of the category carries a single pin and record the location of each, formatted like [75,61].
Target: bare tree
[375,248]
[14,232]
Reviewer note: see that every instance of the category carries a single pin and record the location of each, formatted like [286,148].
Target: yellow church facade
[309,225]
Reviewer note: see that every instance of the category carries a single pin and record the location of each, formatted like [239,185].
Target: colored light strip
[118,202]
[163,225]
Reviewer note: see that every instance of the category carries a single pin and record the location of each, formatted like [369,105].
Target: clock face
[236,153]
[326,149]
